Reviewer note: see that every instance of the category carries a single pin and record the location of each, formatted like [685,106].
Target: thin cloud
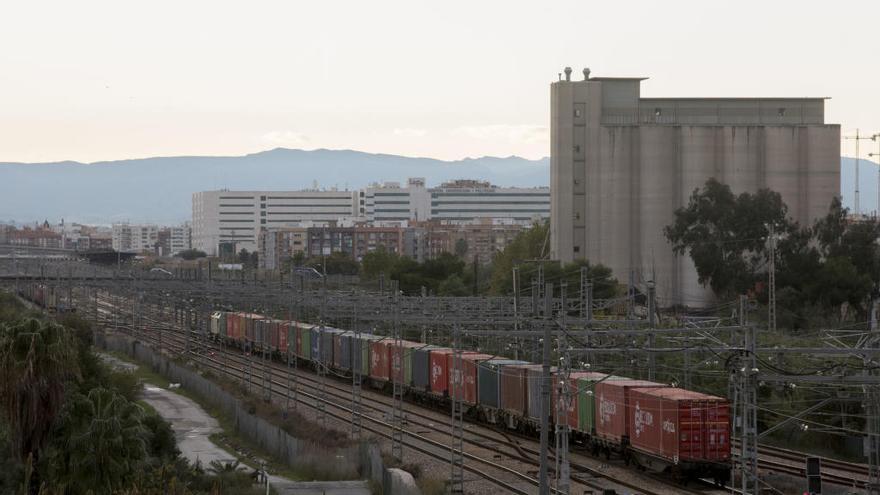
[406,132]
[285,138]
[511,133]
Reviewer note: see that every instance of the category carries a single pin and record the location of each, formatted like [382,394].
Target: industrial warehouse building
[621,164]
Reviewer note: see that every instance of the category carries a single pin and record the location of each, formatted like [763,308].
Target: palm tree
[37,359]
[99,444]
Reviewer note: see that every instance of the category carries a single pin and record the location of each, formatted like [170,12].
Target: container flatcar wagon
[655,426]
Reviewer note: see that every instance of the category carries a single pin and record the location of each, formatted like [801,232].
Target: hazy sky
[98,80]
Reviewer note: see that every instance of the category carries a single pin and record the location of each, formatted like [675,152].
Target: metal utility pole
[322,372]
[771,303]
[456,386]
[516,310]
[876,138]
[397,373]
[563,402]
[540,278]
[535,312]
[872,417]
[744,384]
[543,479]
[357,358]
[587,310]
[857,138]
[652,323]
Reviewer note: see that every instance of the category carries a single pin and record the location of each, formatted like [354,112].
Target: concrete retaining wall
[294,452]
[360,461]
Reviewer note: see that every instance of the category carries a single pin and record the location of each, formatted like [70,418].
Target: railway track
[235,368]
[424,420]
[793,463]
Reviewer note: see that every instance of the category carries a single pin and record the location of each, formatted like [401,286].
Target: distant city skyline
[99,80]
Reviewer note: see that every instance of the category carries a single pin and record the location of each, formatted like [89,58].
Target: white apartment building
[468,201]
[236,217]
[460,201]
[389,202]
[181,238]
[134,238]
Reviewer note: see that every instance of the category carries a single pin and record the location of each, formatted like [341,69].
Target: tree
[99,443]
[528,250]
[379,261]
[529,244]
[838,236]
[190,254]
[461,247]
[337,263]
[726,235]
[298,258]
[37,359]
[254,260]
[244,257]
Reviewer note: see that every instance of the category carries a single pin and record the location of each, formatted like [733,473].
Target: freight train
[651,425]
[46,297]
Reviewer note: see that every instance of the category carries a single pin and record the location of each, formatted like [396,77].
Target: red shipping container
[439,378]
[379,360]
[680,425]
[337,350]
[283,335]
[613,407]
[271,329]
[466,378]
[234,326]
[515,387]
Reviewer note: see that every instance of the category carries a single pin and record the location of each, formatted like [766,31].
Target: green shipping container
[305,351]
[587,402]
[364,346]
[407,366]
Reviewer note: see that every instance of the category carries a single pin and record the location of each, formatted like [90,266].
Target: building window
[263,221]
[577,249]
[263,205]
[262,213]
[658,112]
[577,112]
[577,148]
[781,112]
[262,198]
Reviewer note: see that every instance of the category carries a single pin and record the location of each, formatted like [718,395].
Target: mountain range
[159,190]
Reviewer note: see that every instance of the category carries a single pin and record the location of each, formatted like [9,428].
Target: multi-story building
[467,201]
[621,164]
[459,201]
[236,217]
[99,242]
[172,240]
[180,238]
[135,238]
[277,245]
[389,202]
[355,241]
[482,239]
[39,236]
